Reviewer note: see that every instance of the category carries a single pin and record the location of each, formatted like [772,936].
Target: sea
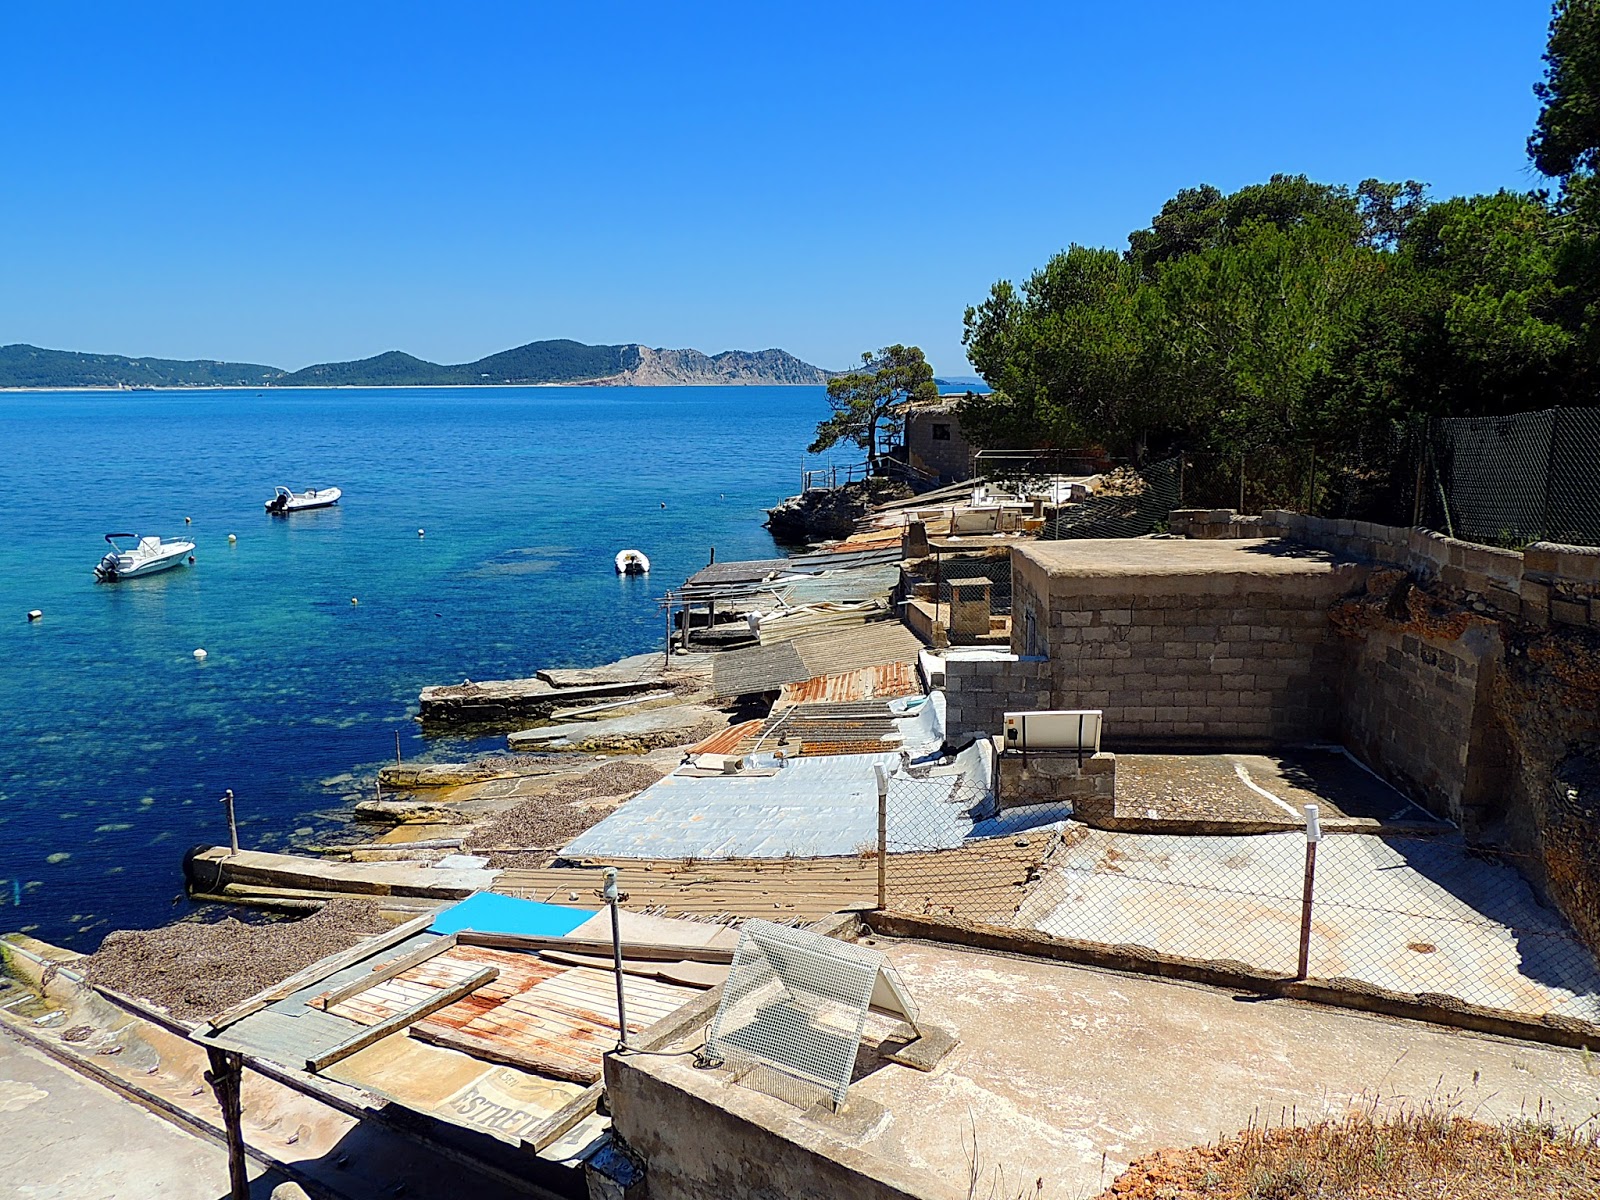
[475,539]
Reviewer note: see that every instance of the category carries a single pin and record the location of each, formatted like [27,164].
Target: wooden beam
[560,1122]
[529,1060]
[400,1020]
[634,950]
[318,971]
[405,962]
[226,1078]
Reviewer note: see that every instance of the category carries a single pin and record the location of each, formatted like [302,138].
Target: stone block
[1569,612]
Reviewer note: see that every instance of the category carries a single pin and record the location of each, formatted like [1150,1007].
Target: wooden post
[883,837]
[225,1077]
[397,748]
[1313,836]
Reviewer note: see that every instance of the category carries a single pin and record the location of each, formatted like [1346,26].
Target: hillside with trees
[1314,320]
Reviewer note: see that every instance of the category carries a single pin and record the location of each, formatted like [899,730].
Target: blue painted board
[488,912]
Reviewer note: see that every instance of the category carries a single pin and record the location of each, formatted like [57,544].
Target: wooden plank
[320,970]
[553,1066]
[635,950]
[398,966]
[400,1020]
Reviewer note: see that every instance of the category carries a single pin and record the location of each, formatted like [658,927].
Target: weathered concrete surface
[1414,915]
[1065,1074]
[212,869]
[68,1138]
[646,730]
[1256,793]
[498,701]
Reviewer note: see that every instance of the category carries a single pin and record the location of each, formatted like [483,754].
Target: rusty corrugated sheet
[729,740]
[882,681]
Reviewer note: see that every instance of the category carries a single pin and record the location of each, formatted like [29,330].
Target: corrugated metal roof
[811,808]
[885,680]
[768,668]
[728,741]
[722,577]
[756,669]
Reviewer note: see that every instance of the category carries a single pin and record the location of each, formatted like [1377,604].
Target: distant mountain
[960,383]
[29,366]
[557,361]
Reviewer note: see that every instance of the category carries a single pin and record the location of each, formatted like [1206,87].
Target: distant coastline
[560,362]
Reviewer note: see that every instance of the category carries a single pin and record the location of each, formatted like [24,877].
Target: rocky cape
[547,362]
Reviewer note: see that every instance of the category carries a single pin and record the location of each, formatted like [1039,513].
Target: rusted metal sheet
[729,740]
[881,681]
[559,1019]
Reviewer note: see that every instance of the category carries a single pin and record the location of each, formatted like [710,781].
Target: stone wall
[980,691]
[950,456]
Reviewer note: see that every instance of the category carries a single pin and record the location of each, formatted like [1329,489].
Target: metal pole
[610,893]
[397,748]
[1313,836]
[883,837]
[233,826]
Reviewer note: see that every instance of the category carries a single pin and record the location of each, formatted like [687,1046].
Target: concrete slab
[1064,1074]
[67,1137]
[1238,793]
[1104,559]
[1409,914]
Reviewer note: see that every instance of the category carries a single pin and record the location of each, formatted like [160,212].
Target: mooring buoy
[34,614]
[199,654]
[233,537]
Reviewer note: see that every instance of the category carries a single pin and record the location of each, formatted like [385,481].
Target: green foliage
[1295,315]
[873,398]
[1566,140]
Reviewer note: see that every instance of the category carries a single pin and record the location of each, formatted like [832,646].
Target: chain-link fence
[1512,480]
[1128,504]
[1407,914]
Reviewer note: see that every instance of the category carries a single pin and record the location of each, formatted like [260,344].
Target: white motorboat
[631,562]
[145,556]
[284,501]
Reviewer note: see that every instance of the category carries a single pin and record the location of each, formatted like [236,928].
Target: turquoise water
[115,743]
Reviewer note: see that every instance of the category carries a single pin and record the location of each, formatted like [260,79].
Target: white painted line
[1244,778]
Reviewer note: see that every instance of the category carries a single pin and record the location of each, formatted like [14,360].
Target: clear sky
[290,183]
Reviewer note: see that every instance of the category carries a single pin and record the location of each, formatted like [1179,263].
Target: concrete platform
[1064,1074]
[1255,793]
[68,1138]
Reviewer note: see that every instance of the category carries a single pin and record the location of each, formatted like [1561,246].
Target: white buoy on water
[199,654]
[353,600]
[188,520]
[34,614]
[420,532]
[233,537]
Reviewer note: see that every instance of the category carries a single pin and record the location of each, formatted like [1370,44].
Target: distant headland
[548,362]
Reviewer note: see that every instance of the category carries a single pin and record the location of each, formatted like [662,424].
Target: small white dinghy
[284,501]
[145,556]
[631,562]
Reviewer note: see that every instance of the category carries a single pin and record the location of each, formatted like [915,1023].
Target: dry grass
[1431,1152]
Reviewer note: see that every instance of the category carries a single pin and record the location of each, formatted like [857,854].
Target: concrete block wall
[1416,707]
[1250,669]
[980,691]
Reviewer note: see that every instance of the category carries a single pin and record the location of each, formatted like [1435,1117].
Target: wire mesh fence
[1412,914]
[1514,479]
[1128,504]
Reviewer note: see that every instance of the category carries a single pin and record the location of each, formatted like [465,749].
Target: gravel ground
[621,778]
[544,821]
[196,970]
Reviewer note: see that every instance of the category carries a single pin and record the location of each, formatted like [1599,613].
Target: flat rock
[638,731]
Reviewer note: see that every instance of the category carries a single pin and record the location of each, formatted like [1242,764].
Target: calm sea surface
[115,743]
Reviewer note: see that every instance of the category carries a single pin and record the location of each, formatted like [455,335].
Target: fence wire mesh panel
[1514,479]
[966,576]
[1412,915]
[1432,915]
[1129,503]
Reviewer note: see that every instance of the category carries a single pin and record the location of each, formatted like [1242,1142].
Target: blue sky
[292,183]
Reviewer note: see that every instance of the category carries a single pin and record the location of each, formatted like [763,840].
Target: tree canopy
[871,400]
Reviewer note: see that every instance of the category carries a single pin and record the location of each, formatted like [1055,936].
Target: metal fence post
[612,896]
[1313,836]
[883,836]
